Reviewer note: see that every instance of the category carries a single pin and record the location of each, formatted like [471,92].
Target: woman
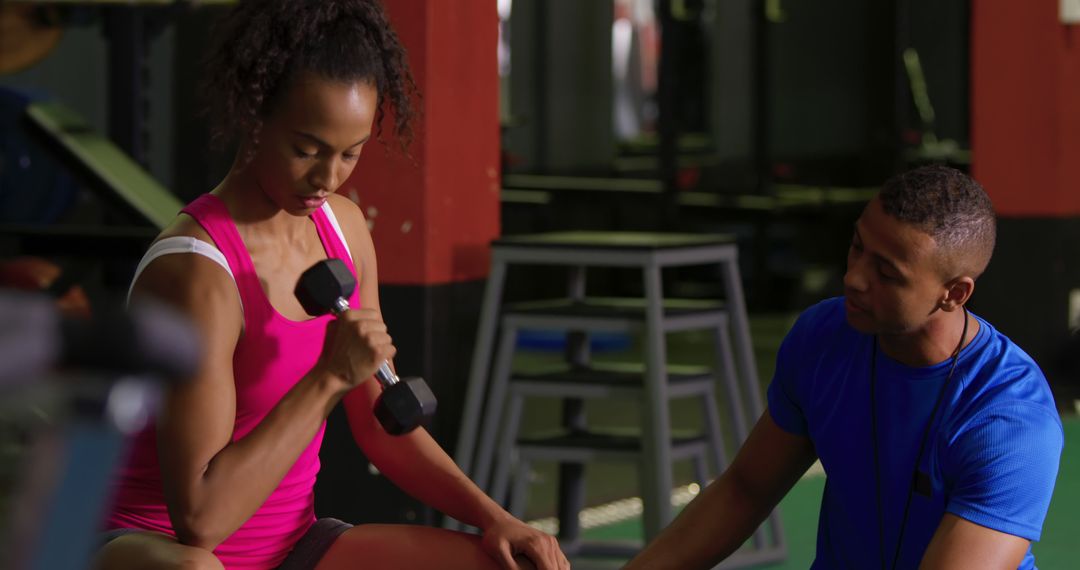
[227,478]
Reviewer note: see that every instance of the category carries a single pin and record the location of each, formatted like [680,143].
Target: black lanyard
[922,443]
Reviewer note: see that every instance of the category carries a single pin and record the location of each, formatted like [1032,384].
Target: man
[939,436]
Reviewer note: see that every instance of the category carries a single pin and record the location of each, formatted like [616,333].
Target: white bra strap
[337,228]
[182,244]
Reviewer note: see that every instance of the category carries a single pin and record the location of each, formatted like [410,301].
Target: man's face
[893,282]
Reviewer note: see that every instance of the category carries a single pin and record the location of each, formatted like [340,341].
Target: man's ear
[957,292]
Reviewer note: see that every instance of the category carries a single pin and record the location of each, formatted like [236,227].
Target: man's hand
[509,539]
[726,513]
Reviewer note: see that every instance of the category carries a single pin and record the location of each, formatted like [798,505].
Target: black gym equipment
[77,388]
[405,404]
[102,166]
[137,206]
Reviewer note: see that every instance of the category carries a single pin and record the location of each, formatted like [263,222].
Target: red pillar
[1025,125]
[434,214]
[1025,129]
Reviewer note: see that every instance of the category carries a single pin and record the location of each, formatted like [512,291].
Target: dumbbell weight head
[405,405]
[325,287]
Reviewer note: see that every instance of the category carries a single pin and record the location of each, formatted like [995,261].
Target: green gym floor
[615,485]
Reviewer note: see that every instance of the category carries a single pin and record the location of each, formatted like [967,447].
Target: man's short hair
[950,207]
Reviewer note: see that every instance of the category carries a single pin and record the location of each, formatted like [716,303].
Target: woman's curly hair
[261,44]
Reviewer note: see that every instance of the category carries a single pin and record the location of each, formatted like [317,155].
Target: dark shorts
[307,553]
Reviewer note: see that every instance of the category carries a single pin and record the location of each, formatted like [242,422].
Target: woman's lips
[313,201]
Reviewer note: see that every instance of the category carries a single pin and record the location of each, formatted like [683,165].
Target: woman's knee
[198,559]
[151,551]
[407,546]
[524,563]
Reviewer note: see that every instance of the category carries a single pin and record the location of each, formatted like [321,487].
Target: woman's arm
[213,485]
[414,462]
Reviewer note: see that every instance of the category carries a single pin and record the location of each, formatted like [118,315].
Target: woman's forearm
[416,464]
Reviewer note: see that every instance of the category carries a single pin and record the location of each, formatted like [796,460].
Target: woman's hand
[356,345]
[509,539]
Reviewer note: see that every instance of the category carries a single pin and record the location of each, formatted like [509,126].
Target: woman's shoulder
[345,210]
[184,226]
[354,226]
[185,276]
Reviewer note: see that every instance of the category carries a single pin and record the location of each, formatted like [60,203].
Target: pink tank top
[272,354]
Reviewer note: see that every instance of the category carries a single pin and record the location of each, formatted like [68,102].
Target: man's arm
[959,544]
[725,514]
[1002,468]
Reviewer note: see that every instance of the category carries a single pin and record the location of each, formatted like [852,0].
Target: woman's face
[312,139]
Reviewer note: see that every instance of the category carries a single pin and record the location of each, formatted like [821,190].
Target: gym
[597,224]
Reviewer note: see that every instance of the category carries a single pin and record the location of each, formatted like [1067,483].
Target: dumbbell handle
[384,374]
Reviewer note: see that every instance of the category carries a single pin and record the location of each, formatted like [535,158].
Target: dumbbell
[404,404]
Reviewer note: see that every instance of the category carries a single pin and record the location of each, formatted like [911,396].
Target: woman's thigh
[153,551]
[407,547]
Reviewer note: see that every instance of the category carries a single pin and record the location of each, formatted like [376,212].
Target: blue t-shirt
[992,455]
